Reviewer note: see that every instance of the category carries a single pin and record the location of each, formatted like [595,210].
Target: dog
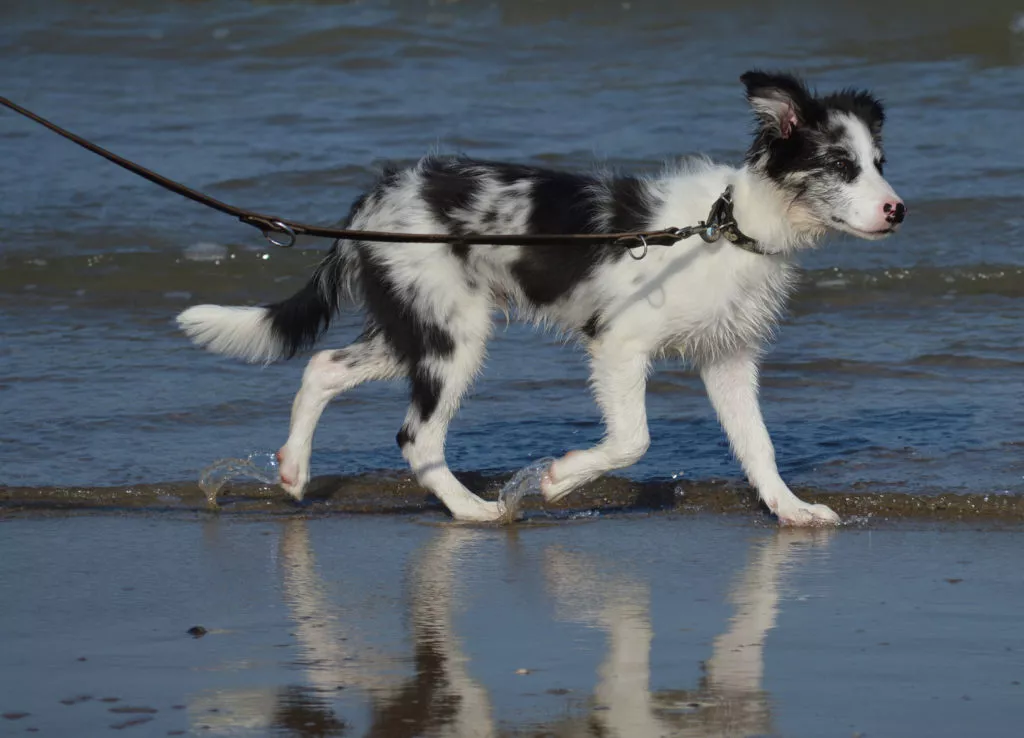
[815,165]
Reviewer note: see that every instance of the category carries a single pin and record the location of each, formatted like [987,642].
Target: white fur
[867,197]
[240,332]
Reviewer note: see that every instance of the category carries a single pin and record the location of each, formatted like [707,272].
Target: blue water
[900,368]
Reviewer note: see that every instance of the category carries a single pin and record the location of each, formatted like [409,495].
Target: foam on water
[205,251]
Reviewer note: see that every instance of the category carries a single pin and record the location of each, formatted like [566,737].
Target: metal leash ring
[279,227]
[643,242]
[710,232]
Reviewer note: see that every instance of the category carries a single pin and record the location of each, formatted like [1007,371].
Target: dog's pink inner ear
[789,121]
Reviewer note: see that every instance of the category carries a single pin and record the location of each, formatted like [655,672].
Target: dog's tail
[260,335]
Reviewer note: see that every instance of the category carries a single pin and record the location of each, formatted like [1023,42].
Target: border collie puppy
[815,165]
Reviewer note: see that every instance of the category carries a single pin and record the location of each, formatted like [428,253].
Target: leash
[720,221]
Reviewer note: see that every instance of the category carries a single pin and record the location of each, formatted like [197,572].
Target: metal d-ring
[643,242]
[280,227]
[710,233]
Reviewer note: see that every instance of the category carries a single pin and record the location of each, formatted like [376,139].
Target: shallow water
[899,371]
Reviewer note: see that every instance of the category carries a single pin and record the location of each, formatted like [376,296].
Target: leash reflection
[443,698]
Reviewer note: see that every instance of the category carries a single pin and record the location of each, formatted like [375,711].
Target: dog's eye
[844,168]
[879,164]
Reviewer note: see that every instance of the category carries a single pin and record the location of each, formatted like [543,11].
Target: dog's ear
[781,102]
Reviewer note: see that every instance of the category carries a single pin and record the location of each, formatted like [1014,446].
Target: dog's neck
[767,213]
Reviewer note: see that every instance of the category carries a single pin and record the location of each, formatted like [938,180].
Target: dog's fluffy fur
[815,164]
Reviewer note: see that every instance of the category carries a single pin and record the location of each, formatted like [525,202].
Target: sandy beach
[630,625]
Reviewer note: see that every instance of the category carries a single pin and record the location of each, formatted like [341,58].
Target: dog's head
[824,152]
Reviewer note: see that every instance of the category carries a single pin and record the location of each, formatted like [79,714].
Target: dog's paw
[804,515]
[293,472]
[481,511]
[554,487]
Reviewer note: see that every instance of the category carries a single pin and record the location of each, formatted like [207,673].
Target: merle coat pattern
[815,164]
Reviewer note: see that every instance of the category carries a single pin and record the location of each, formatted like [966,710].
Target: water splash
[259,465]
[523,483]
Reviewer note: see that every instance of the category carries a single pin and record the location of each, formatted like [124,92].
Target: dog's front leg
[732,386]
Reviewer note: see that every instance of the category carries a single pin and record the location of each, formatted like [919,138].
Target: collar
[722,222]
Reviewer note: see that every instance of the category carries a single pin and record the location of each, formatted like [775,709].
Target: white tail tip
[242,332]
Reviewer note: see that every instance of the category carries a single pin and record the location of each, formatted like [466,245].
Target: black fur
[631,206]
[862,104]
[303,318]
[447,189]
[409,337]
[592,327]
[405,437]
[559,202]
[572,203]
[426,391]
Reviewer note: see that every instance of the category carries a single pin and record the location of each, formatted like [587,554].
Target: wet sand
[398,492]
[619,624]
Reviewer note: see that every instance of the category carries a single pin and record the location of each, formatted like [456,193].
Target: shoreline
[393,493]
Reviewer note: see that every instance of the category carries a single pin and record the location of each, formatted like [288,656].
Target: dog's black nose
[895,212]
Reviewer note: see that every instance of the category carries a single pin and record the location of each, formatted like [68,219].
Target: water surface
[899,370]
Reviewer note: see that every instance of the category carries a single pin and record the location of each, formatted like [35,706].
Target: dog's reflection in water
[730,700]
[443,699]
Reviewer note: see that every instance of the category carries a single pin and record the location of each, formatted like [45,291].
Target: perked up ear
[781,102]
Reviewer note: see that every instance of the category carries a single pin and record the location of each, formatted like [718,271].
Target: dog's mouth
[860,233]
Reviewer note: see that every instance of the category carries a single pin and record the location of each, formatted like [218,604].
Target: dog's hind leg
[619,381]
[732,386]
[438,381]
[328,374]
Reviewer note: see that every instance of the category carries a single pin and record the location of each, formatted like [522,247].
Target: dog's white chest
[705,302]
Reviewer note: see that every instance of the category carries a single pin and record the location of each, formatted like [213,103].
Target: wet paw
[805,515]
[554,487]
[481,512]
[293,474]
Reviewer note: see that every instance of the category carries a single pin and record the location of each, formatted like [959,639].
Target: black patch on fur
[411,338]
[405,437]
[408,335]
[860,103]
[631,210]
[300,320]
[564,202]
[593,326]
[560,202]
[426,392]
[448,186]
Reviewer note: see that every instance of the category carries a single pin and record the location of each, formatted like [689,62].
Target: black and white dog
[815,164]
